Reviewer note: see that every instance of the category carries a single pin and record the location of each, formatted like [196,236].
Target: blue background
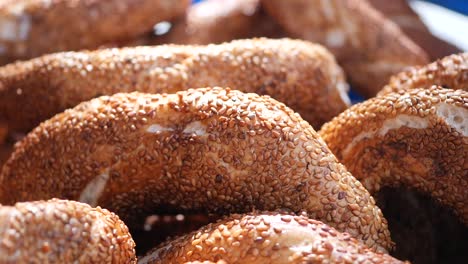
[460,6]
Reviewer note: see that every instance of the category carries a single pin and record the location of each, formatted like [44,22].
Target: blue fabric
[355,97]
[460,6]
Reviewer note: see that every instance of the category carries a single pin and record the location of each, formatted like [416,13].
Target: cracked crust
[302,75]
[369,47]
[449,72]
[30,28]
[60,231]
[266,238]
[416,138]
[204,150]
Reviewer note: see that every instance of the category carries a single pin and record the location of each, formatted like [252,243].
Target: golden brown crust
[217,21]
[403,15]
[449,72]
[416,138]
[266,238]
[212,21]
[302,75]
[32,28]
[59,231]
[369,47]
[208,150]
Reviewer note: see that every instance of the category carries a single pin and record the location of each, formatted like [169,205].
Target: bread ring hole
[418,224]
[159,227]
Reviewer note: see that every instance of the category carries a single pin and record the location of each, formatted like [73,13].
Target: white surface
[455,117]
[444,23]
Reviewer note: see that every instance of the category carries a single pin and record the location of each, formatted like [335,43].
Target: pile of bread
[114,113]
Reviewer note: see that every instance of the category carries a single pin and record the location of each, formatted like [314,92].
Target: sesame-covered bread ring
[211,22]
[30,28]
[401,13]
[60,231]
[266,238]
[302,75]
[206,150]
[369,47]
[449,72]
[416,138]
[217,21]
